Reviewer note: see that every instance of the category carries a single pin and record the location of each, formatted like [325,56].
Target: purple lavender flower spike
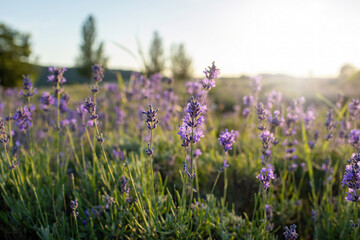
[211,74]
[227,138]
[73,206]
[29,91]
[98,72]
[225,166]
[290,233]
[56,75]
[151,118]
[354,138]
[22,118]
[265,176]
[46,100]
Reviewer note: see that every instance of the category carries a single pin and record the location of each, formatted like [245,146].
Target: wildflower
[14,164]
[22,118]
[73,206]
[276,119]
[352,176]
[149,151]
[266,138]
[314,215]
[225,166]
[28,87]
[194,89]
[227,138]
[100,138]
[197,153]
[354,108]
[108,201]
[56,75]
[91,108]
[266,174]
[188,135]
[309,119]
[46,100]
[211,74]
[124,188]
[269,212]
[274,98]
[98,72]
[255,84]
[151,118]
[248,101]
[290,233]
[4,139]
[330,125]
[354,138]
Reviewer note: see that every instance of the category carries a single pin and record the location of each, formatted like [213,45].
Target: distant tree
[14,56]
[156,54]
[89,53]
[181,63]
[346,71]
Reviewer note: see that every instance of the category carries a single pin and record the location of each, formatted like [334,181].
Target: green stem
[216,180]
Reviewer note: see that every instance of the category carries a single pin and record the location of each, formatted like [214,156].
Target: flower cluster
[46,100]
[29,91]
[22,117]
[290,233]
[330,125]
[56,75]
[73,206]
[90,107]
[98,72]
[190,131]
[352,179]
[247,102]
[4,139]
[151,118]
[265,176]
[354,138]
[211,74]
[227,138]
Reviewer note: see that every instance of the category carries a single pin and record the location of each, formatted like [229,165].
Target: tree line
[15,50]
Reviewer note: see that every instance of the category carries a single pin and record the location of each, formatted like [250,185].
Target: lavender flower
[354,138]
[151,118]
[211,74]
[224,166]
[73,206]
[56,75]
[29,91]
[276,119]
[290,233]
[265,176]
[90,106]
[330,125]
[98,72]
[255,84]
[124,188]
[4,139]
[314,215]
[227,138]
[46,100]
[354,109]
[108,201]
[187,135]
[22,118]
[194,89]
[266,138]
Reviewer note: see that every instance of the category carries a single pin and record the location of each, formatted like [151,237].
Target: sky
[300,38]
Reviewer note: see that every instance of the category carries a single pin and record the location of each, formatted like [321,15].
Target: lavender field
[141,159]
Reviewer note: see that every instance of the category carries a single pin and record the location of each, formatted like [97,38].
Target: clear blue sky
[278,36]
